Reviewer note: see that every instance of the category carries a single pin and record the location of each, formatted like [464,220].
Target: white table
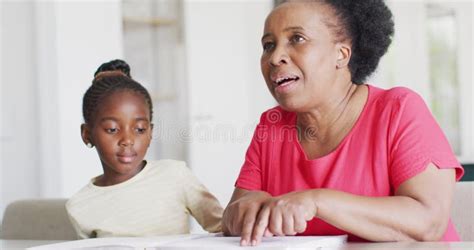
[22,244]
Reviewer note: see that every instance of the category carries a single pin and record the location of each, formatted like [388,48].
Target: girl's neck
[110,178]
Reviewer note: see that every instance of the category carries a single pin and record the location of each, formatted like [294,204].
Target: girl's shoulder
[168,167]
[166,163]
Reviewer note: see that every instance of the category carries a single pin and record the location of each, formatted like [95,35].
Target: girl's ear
[151,131]
[344,55]
[85,134]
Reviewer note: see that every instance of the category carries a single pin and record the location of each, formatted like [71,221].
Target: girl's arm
[419,210]
[201,204]
[77,228]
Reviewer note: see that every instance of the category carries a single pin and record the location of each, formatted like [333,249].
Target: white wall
[465,11]
[19,143]
[406,63]
[50,50]
[155,53]
[81,47]
[1,113]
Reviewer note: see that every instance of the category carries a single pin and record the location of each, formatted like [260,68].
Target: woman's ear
[85,134]
[344,55]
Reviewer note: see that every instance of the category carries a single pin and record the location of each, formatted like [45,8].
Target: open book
[207,241]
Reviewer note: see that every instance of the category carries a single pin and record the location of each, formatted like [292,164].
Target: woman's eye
[268,46]
[111,130]
[297,39]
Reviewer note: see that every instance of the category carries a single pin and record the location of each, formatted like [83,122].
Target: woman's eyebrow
[292,28]
[266,35]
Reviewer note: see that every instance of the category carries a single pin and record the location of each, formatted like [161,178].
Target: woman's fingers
[285,215]
[235,227]
[300,223]
[275,222]
[232,218]
[261,226]
[267,233]
[247,227]
[288,224]
[310,213]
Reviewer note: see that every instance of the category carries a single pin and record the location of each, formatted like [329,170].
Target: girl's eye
[268,46]
[111,130]
[297,39]
[141,130]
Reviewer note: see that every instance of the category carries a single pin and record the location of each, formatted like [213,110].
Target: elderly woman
[339,156]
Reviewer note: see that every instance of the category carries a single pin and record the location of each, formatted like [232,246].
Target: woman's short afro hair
[369,25]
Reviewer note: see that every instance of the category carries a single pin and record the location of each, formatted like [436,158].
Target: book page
[216,242]
[119,242]
[199,241]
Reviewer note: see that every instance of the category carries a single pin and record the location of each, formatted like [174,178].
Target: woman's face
[121,132]
[299,55]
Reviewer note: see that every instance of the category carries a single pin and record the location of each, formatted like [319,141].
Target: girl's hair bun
[117,65]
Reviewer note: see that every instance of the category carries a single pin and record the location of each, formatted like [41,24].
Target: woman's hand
[283,215]
[240,215]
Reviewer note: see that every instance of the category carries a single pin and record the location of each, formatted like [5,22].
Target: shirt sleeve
[416,141]
[79,232]
[250,177]
[201,204]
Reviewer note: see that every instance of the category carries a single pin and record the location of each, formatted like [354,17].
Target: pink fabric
[394,139]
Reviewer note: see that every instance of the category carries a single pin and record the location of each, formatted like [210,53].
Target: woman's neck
[332,120]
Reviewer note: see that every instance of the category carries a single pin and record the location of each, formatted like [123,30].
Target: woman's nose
[279,56]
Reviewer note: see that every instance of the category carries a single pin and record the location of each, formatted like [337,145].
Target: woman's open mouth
[285,84]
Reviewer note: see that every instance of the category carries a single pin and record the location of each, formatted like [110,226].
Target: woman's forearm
[394,218]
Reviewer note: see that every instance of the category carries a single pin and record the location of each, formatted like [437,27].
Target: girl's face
[121,132]
[300,55]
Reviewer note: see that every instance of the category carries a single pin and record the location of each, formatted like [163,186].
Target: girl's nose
[127,140]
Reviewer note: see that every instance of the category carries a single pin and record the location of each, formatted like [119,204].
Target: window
[431,53]
[443,71]
[154,49]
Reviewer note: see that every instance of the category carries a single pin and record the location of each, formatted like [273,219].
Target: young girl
[133,197]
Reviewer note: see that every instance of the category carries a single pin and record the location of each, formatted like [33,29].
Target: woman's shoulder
[394,105]
[396,97]
[398,93]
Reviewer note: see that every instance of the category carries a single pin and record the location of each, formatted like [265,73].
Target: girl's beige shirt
[156,201]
